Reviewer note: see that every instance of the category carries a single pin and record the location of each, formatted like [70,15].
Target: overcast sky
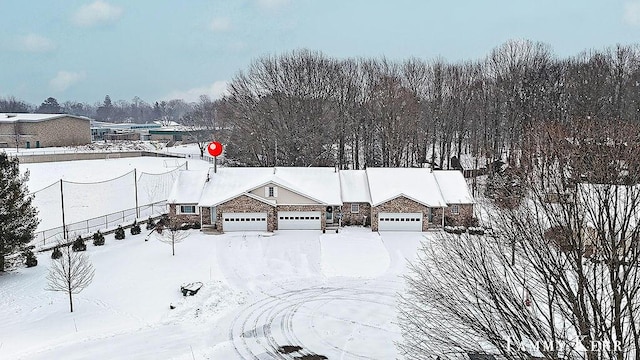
[82,50]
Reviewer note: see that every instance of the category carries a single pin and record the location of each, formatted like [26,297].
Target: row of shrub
[472,230]
[98,238]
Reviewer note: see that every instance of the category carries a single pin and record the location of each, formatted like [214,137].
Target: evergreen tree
[18,217]
[50,106]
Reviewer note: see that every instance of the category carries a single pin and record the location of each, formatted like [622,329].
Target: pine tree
[18,217]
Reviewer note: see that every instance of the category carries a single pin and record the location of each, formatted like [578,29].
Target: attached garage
[244,221]
[400,222]
[299,220]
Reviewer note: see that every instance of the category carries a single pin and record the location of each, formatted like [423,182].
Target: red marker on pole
[215,149]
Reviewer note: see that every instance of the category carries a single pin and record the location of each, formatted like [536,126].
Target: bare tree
[71,273]
[171,234]
[558,278]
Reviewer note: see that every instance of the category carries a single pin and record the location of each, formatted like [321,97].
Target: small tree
[135,228]
[70,274]
[29,258]
[172,234]
[78,244]
[98,238]
[18,217]
[120,233]
[150,223]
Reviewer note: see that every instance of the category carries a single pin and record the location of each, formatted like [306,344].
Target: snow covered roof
[324,185]
[319,184]
[28,117]
[418,184]
[354,186]
[453,187]
[187,189]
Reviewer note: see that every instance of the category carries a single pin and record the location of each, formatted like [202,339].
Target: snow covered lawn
[330,294]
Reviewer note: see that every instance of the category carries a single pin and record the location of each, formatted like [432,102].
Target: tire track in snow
[259,329]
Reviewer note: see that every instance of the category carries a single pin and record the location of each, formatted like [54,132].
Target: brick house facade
[400,205]
[246,204]
[356,218]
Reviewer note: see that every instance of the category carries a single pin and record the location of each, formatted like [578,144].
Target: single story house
[26,130]
[282,198]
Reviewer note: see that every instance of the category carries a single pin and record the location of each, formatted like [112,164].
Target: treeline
[135,111]
[304,108]
[307,109]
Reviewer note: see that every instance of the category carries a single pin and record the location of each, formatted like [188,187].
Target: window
[270,191]
[187,209]
[355,208]
[455,209]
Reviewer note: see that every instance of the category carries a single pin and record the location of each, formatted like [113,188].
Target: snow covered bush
[150,223]
[56,254]
[120,233]
[135,228]
[30,258]
[79,245]
[98,238]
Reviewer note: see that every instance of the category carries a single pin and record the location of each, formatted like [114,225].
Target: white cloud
[65,79]
[214,91]
[96,13]
[36,43]
[273,4]
[220,24]
[632,12]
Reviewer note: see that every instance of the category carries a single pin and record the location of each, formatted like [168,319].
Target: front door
[329,217]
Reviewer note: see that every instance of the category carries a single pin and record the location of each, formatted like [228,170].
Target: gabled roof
[453,187]
[28,117]
[187,188]
[418,184]
[318,184]
[354,186]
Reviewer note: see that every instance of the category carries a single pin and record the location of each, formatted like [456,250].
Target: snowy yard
[330,294]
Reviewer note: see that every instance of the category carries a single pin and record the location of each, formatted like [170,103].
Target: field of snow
[330,294]
[94,188]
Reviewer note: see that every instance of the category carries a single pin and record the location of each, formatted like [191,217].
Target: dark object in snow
[171,306]
[480,356]
[56,254]
[311,357]
[190,289]
[288,349]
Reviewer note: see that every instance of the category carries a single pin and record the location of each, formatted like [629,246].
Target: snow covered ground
[331,294]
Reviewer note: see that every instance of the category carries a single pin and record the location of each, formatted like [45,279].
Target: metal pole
[64,226]
[135,182]
[215,164]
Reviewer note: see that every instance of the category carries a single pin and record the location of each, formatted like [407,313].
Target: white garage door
[299,220]
[400,221]
[244,221]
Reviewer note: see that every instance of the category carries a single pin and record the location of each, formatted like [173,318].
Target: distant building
[24,130]
[124,131]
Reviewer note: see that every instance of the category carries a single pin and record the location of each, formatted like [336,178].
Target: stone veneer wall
[245,204]
[355,218]
[190,218]
[321,208]
[465,211]
[400,205]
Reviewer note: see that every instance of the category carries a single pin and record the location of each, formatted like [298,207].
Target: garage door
[244,221]
[400,221]
[299,220]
